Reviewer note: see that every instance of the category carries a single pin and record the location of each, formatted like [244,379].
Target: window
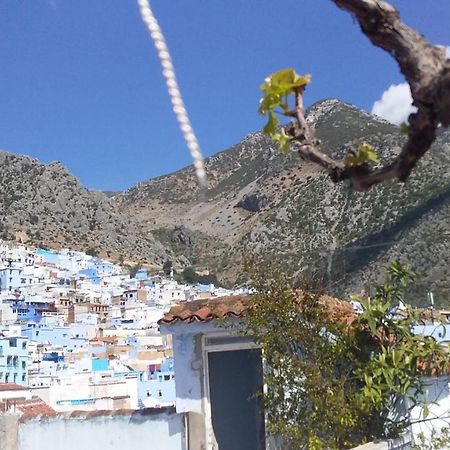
[23,377]
[24,345]
[23,365]
[1,350]
[9,360]
[159,393]
[166,377]
[13,342]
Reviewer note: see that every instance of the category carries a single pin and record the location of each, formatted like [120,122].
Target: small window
[166,377]
[24,345]
[159,393]
[23,365]
[23,377]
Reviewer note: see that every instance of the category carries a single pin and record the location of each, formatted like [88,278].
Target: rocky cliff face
[262,202]
[258,202]
[45,204]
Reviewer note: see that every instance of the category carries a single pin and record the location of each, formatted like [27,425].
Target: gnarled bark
[427,71]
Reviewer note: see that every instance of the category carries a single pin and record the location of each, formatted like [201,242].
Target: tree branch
[427,71]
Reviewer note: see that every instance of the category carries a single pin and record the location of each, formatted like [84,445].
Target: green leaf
[364,154]
[283,141]
[271,125]
[283,82]
[425,411]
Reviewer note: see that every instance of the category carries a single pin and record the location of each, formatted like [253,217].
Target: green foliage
[91,251]
[190,276]
[133,269]
[167,267]
[364,154]
[276,89]
[436,440]
[333,382]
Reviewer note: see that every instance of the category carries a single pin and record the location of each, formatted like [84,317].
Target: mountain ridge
[258,202]
[262,202]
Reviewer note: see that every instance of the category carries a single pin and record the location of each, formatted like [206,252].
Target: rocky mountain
[261,202]
[45,204]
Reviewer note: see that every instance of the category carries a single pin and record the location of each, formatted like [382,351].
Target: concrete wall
[9,424]
[188,366]
[158,430]
[437,396]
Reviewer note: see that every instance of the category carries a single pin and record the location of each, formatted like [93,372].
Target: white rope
[173,89]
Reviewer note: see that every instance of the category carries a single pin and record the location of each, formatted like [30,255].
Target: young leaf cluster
[363,154]
[277,88]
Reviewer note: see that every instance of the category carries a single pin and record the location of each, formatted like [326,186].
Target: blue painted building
[48,256]
[12,278]
[159,387]
[14,359]
[59,336]
[28,310]
[91,274]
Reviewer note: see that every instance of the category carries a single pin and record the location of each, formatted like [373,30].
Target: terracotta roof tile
[207,310]
[36,407]
[13,387]
[28,409]
[238,305]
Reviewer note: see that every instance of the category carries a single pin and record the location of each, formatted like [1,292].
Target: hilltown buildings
[80,334]
[86,351]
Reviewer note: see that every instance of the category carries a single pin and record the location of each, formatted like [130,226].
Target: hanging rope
[173,89]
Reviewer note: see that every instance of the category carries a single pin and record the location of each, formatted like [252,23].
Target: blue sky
[80,81]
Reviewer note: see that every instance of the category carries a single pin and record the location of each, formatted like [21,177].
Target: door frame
[234,343]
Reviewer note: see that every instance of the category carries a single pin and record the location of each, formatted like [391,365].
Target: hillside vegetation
[258,202]
[286,209]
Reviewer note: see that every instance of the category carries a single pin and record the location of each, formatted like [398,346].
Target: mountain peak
[332,108]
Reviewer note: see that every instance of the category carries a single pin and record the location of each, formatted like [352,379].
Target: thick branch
[426,69]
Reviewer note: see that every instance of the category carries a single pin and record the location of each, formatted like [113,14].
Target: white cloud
[395,104]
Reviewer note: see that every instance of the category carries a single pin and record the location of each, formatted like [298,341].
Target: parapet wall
[158,428]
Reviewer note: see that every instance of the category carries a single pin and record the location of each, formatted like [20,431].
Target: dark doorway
[235,384]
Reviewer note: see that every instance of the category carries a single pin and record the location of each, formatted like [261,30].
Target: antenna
[430,297]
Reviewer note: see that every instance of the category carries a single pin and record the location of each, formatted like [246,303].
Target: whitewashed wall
[163,431]
[437,396]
